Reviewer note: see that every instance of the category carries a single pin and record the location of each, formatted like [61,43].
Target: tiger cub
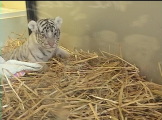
[42,44]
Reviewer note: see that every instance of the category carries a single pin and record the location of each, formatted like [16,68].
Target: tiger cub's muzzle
[51,42]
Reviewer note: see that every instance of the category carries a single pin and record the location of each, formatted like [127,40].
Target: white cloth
[15,66]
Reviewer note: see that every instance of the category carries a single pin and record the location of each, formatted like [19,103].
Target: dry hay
[87,87]
[11,44]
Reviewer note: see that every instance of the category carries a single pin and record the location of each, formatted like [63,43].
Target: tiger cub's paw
[44,68]
[62,53]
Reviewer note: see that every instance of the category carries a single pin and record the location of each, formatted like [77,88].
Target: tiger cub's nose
[51,42]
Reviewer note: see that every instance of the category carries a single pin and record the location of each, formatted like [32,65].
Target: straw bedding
[87,86]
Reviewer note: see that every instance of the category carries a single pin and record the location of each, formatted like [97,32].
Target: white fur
[62,53]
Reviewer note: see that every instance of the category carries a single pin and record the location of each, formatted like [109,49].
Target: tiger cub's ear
[58,21]
[33,26]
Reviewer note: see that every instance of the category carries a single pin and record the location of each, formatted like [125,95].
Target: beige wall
[14,4]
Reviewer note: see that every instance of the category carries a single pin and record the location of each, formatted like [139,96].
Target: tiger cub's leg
[44,68]
[35,59]
[60,52]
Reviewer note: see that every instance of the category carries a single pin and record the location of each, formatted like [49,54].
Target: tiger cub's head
[47,31]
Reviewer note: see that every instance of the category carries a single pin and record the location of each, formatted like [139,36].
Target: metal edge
[31,11]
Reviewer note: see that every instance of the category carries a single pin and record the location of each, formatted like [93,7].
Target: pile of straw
[84,87]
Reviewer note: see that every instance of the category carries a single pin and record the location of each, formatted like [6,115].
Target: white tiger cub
[42,44]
